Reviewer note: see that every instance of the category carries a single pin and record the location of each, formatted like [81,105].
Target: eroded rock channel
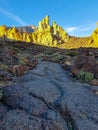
[46,98]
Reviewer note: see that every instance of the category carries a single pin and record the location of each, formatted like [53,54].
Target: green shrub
[49,51]
[72,53]
[85,77]
[21,62]
[1,94]
[15,49]
[3,66]
[56,58]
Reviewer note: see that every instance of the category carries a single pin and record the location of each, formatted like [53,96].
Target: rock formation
[49,35]
[3,30]
[95,37]
[44,34]
[59,32]
[86,62]
[44,25]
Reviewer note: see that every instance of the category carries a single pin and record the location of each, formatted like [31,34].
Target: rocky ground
[16,58]
[44,96]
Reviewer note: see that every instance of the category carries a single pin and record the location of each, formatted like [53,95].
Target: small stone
[19,69]
[94,82]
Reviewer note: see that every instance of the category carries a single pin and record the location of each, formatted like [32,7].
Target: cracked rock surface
[46,98]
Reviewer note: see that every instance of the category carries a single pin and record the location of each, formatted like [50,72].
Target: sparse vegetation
[85,77]
[3,66]
[21,62]
[71,53]
[56,58]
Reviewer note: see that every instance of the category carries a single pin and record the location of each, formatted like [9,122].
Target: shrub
[56,58]
[16,49]
[3,66]
[85,77]
[22,61]
[72,53]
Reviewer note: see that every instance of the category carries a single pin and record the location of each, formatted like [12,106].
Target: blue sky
[77,17]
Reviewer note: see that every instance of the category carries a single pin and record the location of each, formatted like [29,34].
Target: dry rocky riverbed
[46,98]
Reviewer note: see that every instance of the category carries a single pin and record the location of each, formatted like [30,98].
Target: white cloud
[82,30]
[85,29]
[12,16]
[71,29]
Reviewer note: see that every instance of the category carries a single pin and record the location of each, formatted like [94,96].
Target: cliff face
[44,34]
[49,35]
[95,37]
[3,30]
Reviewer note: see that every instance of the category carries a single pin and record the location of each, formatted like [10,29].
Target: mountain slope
[28,29]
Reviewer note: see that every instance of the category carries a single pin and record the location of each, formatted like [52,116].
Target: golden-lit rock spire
[3,30]
[44,24]
[45,34]
[60,32]
[49,35]
[95,36]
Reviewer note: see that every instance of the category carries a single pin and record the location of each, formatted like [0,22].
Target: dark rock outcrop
[86,62]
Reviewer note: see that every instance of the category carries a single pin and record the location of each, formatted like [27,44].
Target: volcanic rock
[94,82]
[19,69]
[86,62]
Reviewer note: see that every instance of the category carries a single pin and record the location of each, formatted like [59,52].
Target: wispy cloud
[85,29]
[12,16]
[71,29]
[82,30]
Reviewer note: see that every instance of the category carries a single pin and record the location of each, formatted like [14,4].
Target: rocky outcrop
[44,25]
[60,32]
[49,35]
[95,37]
[44,34]
[14,34]
[94,82]
[86,62]
[3,31]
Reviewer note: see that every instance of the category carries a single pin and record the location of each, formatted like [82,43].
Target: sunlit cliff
[44,34]
[49,35]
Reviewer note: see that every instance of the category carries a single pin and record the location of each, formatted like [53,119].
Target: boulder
[19,69]
[85,62]
[94,82]
[67,65]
